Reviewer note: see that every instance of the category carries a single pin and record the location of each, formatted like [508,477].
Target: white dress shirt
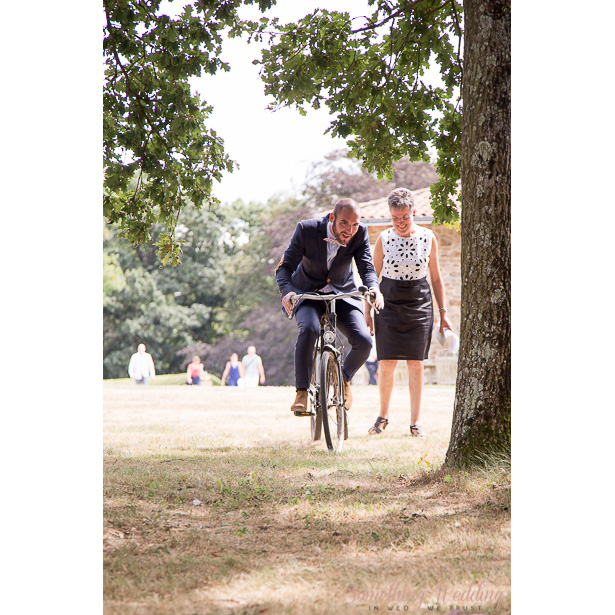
[332,249]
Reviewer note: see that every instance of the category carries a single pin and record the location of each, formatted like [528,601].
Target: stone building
[440,367]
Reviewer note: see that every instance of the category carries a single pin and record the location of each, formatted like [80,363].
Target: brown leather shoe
[301,402]
[347,394]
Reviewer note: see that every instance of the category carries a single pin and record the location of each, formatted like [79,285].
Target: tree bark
[481,420]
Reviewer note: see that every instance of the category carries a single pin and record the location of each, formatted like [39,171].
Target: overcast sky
[274,149]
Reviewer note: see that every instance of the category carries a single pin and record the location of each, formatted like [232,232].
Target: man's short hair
[345,203]
[401,198]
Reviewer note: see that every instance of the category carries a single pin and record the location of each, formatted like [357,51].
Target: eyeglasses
[402,219]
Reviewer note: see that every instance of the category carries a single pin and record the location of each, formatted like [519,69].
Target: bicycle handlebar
[362,291]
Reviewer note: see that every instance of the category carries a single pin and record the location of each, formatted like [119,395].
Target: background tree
[369,72]
[252,298]
[140,312]
[200,279]
[113,276]
[338,176]
[154,127]
[174,307]
[222,297]
[369,75]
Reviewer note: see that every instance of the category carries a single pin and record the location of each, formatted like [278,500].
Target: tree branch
[373,26]
[111,31]
[459,34]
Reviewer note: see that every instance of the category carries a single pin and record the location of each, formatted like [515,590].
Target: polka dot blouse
[406,258]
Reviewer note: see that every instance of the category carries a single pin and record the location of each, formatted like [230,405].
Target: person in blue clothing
[234,371]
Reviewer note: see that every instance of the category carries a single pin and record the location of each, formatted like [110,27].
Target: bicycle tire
[316,425]
[332,409]
[316,418]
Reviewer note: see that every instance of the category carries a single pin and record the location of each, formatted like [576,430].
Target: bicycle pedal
[298,413]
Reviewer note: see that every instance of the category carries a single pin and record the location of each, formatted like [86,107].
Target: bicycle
[327,404]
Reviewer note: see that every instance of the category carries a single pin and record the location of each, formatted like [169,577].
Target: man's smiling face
[345,225]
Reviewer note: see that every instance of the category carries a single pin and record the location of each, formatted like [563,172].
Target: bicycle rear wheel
[331,401]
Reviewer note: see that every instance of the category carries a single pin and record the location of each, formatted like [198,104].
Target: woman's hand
[369,321]
[378,298]
[445,323]
[367,312]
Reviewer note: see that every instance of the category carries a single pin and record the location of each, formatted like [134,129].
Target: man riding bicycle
[319,259]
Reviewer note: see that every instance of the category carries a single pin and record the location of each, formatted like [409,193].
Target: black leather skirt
[403,328]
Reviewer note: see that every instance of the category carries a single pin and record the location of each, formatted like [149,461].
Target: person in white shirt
[255,372]
[141,366]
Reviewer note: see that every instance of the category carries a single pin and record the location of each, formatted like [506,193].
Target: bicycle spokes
[331,401]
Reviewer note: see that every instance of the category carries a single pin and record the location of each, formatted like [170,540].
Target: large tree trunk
[481,421]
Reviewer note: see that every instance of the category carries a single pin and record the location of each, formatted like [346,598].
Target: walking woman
[404,255]
[234,371]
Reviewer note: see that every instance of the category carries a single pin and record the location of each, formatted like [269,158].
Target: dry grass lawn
[216,501]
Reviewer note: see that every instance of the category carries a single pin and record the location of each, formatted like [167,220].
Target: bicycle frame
[327,341]
[331,315]
[328,324]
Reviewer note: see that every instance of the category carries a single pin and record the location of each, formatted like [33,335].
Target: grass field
[216,501]
[160,380]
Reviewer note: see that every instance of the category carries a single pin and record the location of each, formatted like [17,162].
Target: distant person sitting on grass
[141,366]
[196,371]
[234,371]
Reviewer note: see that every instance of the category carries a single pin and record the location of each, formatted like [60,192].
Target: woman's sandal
[375,429]
[417,431]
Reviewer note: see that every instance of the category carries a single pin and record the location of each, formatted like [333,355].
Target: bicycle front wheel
[331,401]
[314,394]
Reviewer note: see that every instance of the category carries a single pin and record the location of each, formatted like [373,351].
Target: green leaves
[113,276]
[157,149]
[371,77]
[159,152]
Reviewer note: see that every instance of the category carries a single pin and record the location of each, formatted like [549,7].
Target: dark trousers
[350,321]
[372,368]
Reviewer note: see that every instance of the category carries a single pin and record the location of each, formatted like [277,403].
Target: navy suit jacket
[303,267]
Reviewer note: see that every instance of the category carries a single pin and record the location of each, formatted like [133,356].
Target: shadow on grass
[242,524]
